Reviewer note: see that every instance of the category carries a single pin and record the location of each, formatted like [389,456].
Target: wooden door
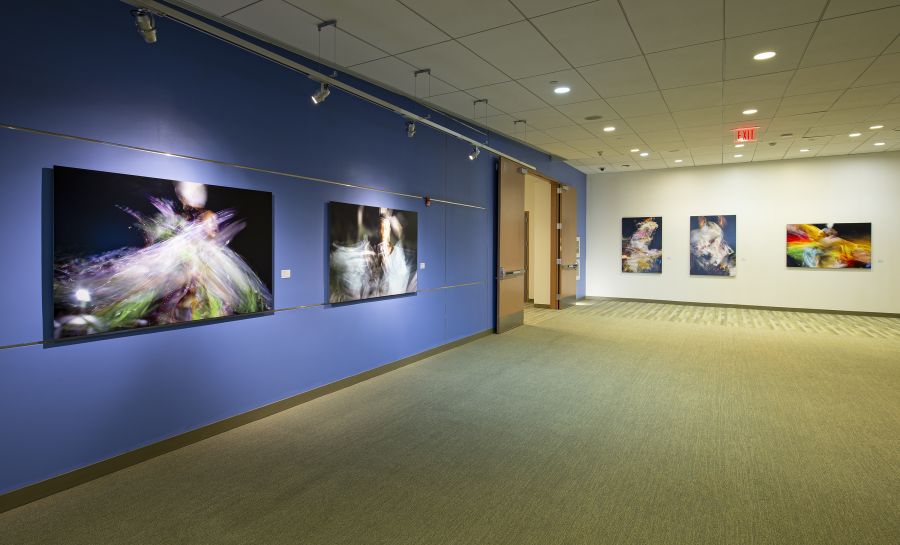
[568,245]
[510,245]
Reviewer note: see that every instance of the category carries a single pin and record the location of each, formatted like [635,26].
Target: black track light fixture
[410,128]
[476,151]
[319,96]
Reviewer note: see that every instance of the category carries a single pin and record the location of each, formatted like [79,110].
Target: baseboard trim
[27,494]
[541,305]
[752,307]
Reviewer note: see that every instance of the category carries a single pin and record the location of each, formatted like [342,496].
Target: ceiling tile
[894,47]
[220,7]
[503,123]
[875,95]
[453,63]
[743,17]
[580,110]
[694,97]
[284,24]
[537,137]
[622,77]
[533,8]
[703,117]
[792,123]
[572,132]
[885,69]
[639,104]
[687,65]
[456,17]
[789,43]
[386,24]
[733,113]
[827,77]
[588,145]
[837,8]
[655,122]
[397,74]
[517,49]
[459,103]
[666,25]
[757,87]
[701,160]
[855,115]
[852,37]
[544,118]
[508,97]
[832,130]
[542,87]
[806,104]
[590,33]
[564,151]
[651,164]
[891,111]
[653,137]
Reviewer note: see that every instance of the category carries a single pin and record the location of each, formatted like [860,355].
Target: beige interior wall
[539,279]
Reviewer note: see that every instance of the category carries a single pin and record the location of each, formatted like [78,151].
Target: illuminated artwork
[713,245]
[133,252]
[372,252]
[829,245]
[642,245]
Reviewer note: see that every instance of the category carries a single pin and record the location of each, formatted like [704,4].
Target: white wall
[765,197]
[539,264]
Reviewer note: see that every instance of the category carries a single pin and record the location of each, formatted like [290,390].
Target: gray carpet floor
[608,423]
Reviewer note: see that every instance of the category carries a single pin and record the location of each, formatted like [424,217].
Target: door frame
[555,185]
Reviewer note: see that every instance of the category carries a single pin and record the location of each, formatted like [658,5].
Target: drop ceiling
[672,77]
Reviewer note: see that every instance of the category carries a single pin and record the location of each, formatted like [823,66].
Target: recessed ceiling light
[738,155]
[677,160]
[879,143]
[854,134]
[764,55]
[876,127]
[739,145]
[750,111]
[635,150]
[644,154]
[609,129]
[804,150]
[561,89]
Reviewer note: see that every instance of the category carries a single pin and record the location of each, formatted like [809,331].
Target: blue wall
[78,68]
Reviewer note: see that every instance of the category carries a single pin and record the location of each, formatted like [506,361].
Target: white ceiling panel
[656,122]
[517,49]
[853,37]
[537,137]
[807,104]
[543,86]
[667,25]
[894,47]
[544,118]
[462,17]
[694,97]
[450,61]
[386,24]
[578,111]
[509,97]
[838,8]
[564,151]
[885,69]
[622,77]
[733,113]
[757,87]
[590,33]
[639,104]
[875,95]
[788,43]
[827,77]
[684,66]
[459,103]
[743,17]
[220,7]
[398,74]
[572,132]
[792,123]
[533,8]
[703,117]
[855,116]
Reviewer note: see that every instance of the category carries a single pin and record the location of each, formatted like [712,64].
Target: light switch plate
[422,265]
[285,273]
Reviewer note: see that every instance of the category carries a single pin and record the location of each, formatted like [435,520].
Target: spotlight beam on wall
[188,20]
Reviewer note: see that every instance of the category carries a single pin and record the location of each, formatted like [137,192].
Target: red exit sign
[747,134]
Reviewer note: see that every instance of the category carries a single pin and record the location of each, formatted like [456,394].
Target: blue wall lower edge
[16,498]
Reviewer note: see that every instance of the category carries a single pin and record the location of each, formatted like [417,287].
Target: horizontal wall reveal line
[229,164]
[98,336]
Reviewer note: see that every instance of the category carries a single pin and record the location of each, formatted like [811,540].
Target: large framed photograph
[642,245]
[132,252]
[372,252]
[829,245]
[714,245]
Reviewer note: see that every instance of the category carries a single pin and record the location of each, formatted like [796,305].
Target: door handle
[510,274]
[571,266]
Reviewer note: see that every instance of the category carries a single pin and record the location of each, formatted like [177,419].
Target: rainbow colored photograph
[829,245]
